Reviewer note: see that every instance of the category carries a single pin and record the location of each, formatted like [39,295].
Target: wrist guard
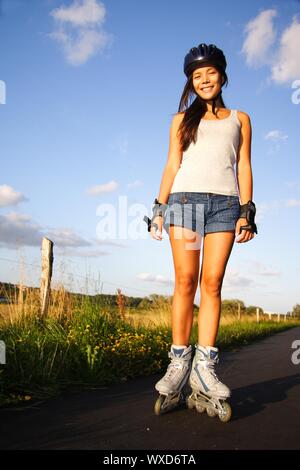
[159,209]
[248,211]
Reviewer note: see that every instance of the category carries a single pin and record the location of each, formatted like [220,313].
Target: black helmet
[203,54]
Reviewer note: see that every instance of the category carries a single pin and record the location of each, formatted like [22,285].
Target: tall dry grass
[162,316]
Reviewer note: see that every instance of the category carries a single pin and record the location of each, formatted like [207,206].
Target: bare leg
[216,251]
[186,265]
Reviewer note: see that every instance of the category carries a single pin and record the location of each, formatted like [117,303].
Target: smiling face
[207,81]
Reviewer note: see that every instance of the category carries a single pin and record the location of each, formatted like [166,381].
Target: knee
[186,283]
[211,285]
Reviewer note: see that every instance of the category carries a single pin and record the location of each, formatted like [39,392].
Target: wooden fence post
[121,303]
[239,311]
[47,262]
[257,314]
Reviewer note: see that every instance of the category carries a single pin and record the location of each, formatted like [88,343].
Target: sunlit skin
[209,76]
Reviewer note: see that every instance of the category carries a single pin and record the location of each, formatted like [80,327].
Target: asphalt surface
[265,400]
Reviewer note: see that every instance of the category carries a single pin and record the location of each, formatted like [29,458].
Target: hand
[245,235]
[156,234]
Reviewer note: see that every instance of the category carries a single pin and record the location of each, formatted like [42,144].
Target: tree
[296,311]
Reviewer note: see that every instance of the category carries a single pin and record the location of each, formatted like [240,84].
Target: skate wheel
[200,408]
[226,414]
[190,403]
[211,411]
[158,405]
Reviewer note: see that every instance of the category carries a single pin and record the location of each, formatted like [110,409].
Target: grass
[44,357]
[82,344]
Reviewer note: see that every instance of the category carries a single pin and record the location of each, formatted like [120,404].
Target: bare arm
[243,168]
[173,161]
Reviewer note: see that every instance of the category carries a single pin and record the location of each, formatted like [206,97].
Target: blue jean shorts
[202,212]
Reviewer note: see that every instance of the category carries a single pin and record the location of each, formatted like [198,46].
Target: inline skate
[208,392]
[173,388]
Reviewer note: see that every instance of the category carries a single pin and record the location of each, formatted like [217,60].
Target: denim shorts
[202,212]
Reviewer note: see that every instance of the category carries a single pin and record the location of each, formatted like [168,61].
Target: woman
[200,199]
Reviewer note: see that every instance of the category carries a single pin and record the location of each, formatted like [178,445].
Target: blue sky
[88,90]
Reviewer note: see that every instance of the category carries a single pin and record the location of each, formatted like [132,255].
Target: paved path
[265,401]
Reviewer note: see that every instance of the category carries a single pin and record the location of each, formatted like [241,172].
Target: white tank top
[209,164]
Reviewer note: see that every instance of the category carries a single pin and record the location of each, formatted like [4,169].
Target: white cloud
[66,237]
[135,184]
[81,253]
[263,208]
[10,197]
[103,188]
[262,270]
[123,146]
[234,279]
[120,145]
[87,13]
[293,184]
[283,58]
[158,278]
[293,202]
[20,230]
[276,136]
[260,36]
[287,63]
[108,242]
[272,207]
[79,30]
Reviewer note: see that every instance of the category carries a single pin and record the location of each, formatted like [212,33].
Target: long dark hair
[194,111]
